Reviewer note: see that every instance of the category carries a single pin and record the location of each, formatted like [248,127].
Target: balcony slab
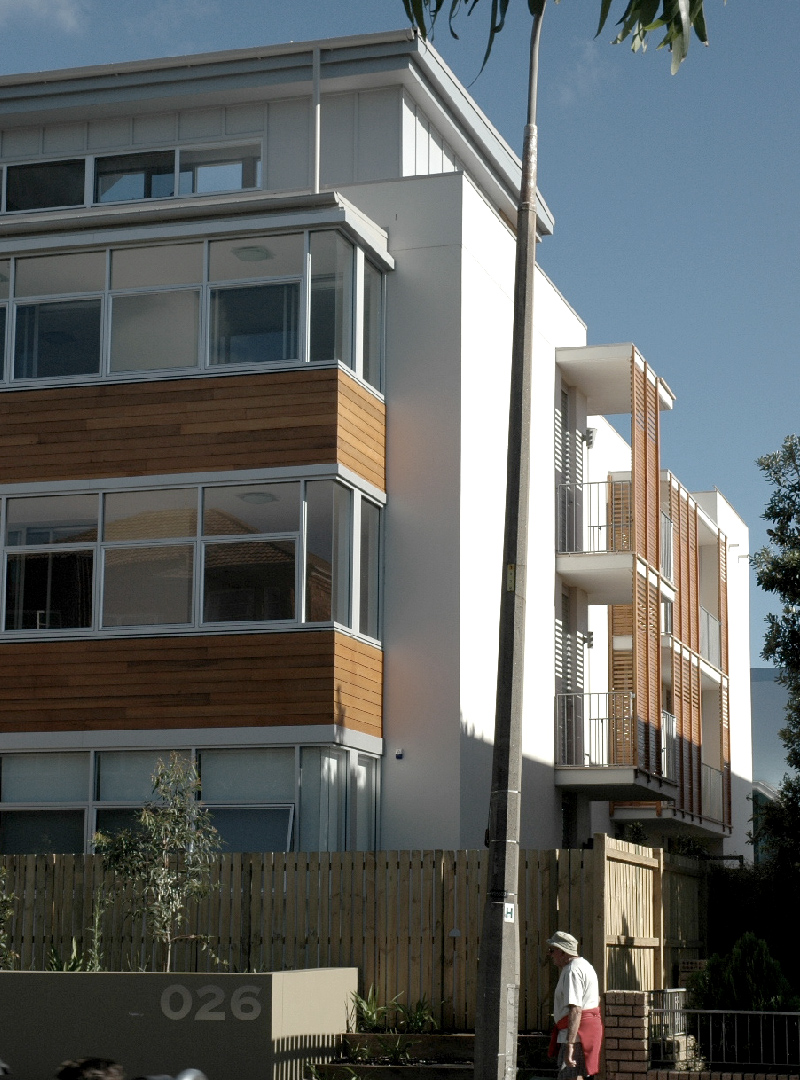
[605,576]
[617,783]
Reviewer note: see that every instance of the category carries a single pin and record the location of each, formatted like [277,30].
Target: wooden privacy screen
[409,920]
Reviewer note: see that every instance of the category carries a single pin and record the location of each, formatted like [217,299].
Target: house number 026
[177,1002]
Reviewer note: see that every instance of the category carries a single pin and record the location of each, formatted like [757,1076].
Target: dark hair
[90,1068]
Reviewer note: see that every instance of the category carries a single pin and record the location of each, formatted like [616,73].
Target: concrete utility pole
[497,1016]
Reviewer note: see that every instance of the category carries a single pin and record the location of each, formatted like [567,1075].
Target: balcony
[594,550]
[599,743]
[710,638]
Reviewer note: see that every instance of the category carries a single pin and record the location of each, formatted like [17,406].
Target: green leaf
[605,7]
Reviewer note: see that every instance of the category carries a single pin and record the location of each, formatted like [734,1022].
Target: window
[45,185]
[187,557]
[49,586]
[332,262]
[125,177]
[230,168]
[190,307]
[56,801]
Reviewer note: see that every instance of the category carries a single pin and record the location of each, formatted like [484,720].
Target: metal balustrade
[595,517]
[669,745]
[709,637]
[711,792]
[666,546]
[596,729]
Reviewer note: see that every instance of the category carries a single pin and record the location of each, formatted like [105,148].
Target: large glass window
[50,589]
[56,801]
[188,556]
[134,176]
[45,184]
[245,301]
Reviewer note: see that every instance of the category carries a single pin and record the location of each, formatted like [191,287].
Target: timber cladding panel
[232,680]
[265,420]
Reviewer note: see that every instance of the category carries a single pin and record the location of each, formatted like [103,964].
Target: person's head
[90,1068]
[561,948]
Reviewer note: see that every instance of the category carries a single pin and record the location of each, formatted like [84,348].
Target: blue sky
[676,198]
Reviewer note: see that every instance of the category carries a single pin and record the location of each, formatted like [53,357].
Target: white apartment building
[256,319]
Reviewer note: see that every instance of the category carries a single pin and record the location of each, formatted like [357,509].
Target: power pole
[497,1015]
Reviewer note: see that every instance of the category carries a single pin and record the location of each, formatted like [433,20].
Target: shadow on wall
[622,973]
[541,823]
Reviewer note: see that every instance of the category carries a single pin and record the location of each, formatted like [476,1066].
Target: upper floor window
[189,306]
[153,174]
[189,557]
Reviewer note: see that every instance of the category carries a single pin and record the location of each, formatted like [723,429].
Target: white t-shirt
[577,985]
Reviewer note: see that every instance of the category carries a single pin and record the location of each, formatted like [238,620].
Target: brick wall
[626,1050]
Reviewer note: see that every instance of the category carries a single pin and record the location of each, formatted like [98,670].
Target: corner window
[332,263]
[189,556]
[189,307]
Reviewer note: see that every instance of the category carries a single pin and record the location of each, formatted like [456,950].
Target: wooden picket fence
[409,920]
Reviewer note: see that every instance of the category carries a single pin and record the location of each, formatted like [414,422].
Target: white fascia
[169,219]
[239,476]
[178,738]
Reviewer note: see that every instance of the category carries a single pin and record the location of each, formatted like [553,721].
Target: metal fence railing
[721,1040]
[595,517]
[669,745]
[666,546]
[596,729]
[709,637]
[711,792]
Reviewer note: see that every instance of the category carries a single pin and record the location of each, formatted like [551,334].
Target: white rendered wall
[420,801]
[738,537]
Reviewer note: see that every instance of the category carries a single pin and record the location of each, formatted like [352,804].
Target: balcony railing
[711,792]
[595,729]
[666,546]
[669,745]
[595,517]
[709,637]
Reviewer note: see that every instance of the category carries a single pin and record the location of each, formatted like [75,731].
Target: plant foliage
[169,853]
[677,19]
[748,978]
[777,568]
[7,954]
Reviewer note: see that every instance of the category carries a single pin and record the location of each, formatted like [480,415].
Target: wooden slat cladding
[725,732]
[263,420]
[232,680]
[647,670]
[645,462]
[722,556]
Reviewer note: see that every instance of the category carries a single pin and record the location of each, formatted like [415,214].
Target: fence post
[658,919]
[600,957]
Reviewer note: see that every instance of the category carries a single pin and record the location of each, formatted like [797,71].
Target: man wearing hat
[578,1031]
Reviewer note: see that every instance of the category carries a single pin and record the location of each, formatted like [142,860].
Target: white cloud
[586,75]
[67,14]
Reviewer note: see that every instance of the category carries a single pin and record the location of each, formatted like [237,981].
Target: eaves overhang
[154,219]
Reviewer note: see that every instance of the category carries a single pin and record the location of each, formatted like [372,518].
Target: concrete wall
[228,1026]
